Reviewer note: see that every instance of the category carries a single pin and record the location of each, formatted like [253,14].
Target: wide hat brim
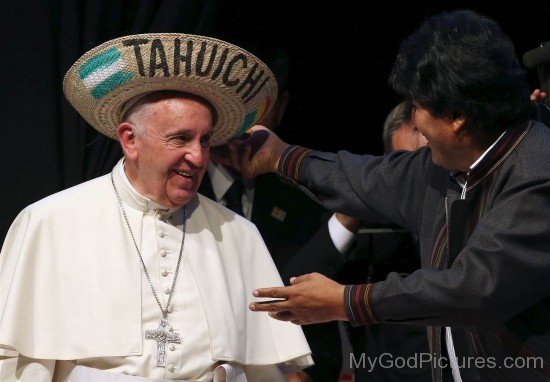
[239,86]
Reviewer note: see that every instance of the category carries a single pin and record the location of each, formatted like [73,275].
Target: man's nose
[197,154]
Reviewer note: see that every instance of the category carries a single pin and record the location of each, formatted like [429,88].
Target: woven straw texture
[239,85]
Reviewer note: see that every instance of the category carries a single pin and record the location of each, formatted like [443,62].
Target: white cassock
[72,289]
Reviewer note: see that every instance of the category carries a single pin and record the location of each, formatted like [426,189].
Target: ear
[459,123]
[127,138]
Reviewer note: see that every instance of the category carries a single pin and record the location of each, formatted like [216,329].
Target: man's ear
[459,123]
[127,138]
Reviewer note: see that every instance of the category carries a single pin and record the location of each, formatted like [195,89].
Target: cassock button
[163,253]
[164,272]
[172,347]
[161,233]
[171,368]
[167,291]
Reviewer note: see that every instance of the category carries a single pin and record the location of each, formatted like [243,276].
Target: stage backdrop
[340,55]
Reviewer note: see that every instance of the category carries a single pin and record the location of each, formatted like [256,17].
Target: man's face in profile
[440,136]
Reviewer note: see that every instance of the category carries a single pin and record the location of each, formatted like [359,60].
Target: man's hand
[227,154]
[256,153]
[312,298]
[537,95]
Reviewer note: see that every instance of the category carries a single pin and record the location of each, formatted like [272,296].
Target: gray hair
[396,118]
[135,113]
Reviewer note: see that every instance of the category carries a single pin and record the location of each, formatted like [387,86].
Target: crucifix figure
[163,335]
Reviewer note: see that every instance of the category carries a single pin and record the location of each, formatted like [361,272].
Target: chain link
[164,311]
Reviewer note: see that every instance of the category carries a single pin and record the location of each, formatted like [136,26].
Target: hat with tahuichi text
[105,80]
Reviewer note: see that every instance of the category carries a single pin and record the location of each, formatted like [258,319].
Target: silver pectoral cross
[163,335]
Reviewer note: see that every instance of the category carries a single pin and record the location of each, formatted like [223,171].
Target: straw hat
[102,83]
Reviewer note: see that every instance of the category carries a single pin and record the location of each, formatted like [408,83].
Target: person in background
[383,249]
[378,250]
[399,132]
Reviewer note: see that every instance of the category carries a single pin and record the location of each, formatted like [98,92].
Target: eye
[181,138]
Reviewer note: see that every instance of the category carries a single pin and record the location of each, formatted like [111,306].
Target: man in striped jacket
[478,197]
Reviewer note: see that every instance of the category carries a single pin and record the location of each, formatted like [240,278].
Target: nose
[197,154]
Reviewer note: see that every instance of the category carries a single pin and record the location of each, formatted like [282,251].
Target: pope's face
[173,150]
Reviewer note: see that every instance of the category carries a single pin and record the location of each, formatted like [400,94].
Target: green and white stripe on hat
[107,79]
[104,72]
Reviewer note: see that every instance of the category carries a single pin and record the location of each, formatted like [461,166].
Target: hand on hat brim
[261,152]
[254,153]
[227,155]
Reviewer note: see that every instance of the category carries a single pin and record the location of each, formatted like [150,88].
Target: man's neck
[480,157]
[476,147]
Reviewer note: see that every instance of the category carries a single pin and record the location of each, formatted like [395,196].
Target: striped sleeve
[358,304]
[290,162]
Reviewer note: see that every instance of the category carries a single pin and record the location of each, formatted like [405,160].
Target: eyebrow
[188,133]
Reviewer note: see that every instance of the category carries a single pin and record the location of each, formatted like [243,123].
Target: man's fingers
[270,306]
[233,155]
[283,315]
[243,161]
[301,279]
[220,155]
[297,280]
[255,128]
[256,141]
[277,292]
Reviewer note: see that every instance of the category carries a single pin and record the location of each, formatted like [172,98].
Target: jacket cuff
[358,304]
[289,164]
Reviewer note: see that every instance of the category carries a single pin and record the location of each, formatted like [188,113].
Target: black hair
[462,63]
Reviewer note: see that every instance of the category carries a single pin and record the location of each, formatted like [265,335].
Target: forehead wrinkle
[172,114]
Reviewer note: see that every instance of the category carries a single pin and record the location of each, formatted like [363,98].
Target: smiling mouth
[185,174]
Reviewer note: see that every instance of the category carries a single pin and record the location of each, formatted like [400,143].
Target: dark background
[341,53]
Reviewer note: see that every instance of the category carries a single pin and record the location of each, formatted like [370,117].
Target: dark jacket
[490,280]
